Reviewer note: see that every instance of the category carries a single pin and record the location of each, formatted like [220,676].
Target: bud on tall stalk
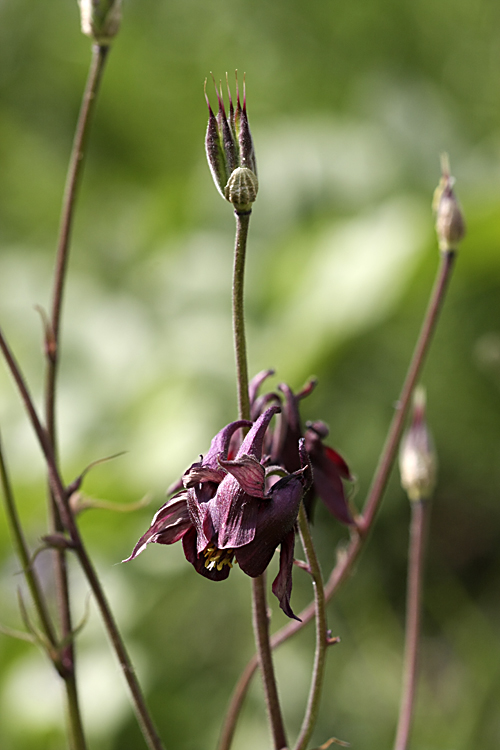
[450,224]
[230,151]
[417,457]
[101,19]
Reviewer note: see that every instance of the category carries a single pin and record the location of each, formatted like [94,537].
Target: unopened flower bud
[230,152]
[450,224]
[101,19]
[417,457]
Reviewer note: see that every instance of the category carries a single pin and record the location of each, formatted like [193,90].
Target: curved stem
[321,633]
[60,497]
[349,556]
[418,538]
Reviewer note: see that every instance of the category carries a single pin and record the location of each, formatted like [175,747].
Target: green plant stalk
[52,345]
[311,715]
[240,346]
[349,556]
[416,558]
[60,497]
[259,608]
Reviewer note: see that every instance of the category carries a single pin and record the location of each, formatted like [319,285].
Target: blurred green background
[350,106]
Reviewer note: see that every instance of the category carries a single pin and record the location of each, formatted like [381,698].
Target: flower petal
[328,468]
[275,518]
[234,515]
[169,524]
[256,382]
[282,584]
[250,474]
[208,469]
[253,442]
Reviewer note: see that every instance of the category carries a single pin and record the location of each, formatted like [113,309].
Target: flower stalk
[240,347]
[321,633]
[420,510]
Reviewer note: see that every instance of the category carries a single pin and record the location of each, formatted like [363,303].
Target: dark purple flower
[227,511]
[329,468]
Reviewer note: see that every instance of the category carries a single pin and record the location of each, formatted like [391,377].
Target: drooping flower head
[228,511]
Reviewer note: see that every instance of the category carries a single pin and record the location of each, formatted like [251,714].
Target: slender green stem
[240,347]
[60,497]
[321,633]
[347,559]
[261,628]
[23,553]
[52,346]
[418,538]
[77,734]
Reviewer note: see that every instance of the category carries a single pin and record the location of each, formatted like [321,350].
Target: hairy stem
[60,497]
[240,347]
[321,633]
[349,556]
[418,537]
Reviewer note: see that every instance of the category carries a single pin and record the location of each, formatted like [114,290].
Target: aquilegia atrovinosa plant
[254,490]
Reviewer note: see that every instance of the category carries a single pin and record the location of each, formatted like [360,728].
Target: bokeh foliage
[350,106]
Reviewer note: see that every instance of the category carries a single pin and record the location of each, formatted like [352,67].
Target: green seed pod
[230,151]
[241,189]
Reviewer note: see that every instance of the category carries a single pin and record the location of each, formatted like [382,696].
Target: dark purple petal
[282,584]
[234,515]
[169,524]
[250,474]
[287,433]
[320,429]
[199,560]
[200,509]
[275,518]
[256,382]
[253,442]
[220,443]
[328,469]
[208,469]
[198,474]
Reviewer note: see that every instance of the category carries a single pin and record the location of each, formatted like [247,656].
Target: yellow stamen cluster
[217,558]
